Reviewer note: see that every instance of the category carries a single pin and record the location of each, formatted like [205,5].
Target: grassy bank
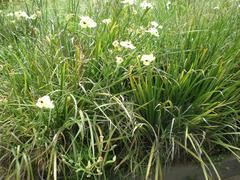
[106,89]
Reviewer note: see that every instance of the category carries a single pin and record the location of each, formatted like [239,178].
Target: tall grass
[118,120]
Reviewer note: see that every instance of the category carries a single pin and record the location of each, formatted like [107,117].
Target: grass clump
[121,89]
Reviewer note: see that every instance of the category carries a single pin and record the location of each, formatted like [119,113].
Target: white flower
[33,16]
[128,2]
[146,5]
[168,5]
[115,43]
[106,21]
[114,158]
[127,44]
[45,102]
[153,31]
[147,59]
[119,59]
[9,14]
[21,14]
[87,22]
[154,24]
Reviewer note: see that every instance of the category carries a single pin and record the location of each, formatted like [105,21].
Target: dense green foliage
[117,119]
